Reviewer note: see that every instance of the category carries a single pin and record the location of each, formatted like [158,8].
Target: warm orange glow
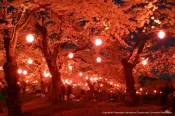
[80,74]
[152,17]
[155,91]
[27,81]
[98,59]
[46,74]
[98,42]
[19,71]
[110,83]
[30,61]
[95,78]
[24,72]
[144,62]
[87,77]
[70,55]
[141,89]
[161,34]
[30,38]
[101,85]
[70,67]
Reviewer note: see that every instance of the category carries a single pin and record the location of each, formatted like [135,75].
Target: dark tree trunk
[12,95]
[56,82]
[51,59]
[11,76]
[130,98]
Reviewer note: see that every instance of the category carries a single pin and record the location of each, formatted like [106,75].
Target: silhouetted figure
[69,91]
[165,92]
[89,95]
[173,103]
[62,91]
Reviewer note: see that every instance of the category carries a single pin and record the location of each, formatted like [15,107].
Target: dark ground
[33,106]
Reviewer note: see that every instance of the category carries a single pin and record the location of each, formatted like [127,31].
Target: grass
[33,106]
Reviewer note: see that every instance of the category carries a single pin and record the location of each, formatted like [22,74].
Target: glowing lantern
[27,81]
[70,55]
[161,34]
[101,85]
[80,74]
[30,38]
[24,72]
[110,83]
[86,77]
[30,61]
[144,62]
[141,89]
[155,91]
[70,67]
[146,92]
[98,59]
[19,71]
[46,74]
[95,78]
[98,42]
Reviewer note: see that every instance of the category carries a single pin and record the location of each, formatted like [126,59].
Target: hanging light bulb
[24,72]
[98,42]
[30,38]
[144,62]
[98,59]
[70,55]
[80,74]
[161,34]
[19,71]
[30,61]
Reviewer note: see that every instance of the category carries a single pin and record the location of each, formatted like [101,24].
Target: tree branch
[17,28]
[30,15]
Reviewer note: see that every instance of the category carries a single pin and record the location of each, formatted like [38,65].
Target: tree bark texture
[52,65]
[130,98]
[11,76]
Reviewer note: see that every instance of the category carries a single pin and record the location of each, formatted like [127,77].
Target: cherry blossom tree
[14,17]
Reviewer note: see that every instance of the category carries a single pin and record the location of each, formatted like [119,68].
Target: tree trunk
[11,76]
[56,81]
[12,95]
[130,98]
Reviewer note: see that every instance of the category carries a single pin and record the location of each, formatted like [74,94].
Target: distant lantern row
[70,55]
[20,71]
